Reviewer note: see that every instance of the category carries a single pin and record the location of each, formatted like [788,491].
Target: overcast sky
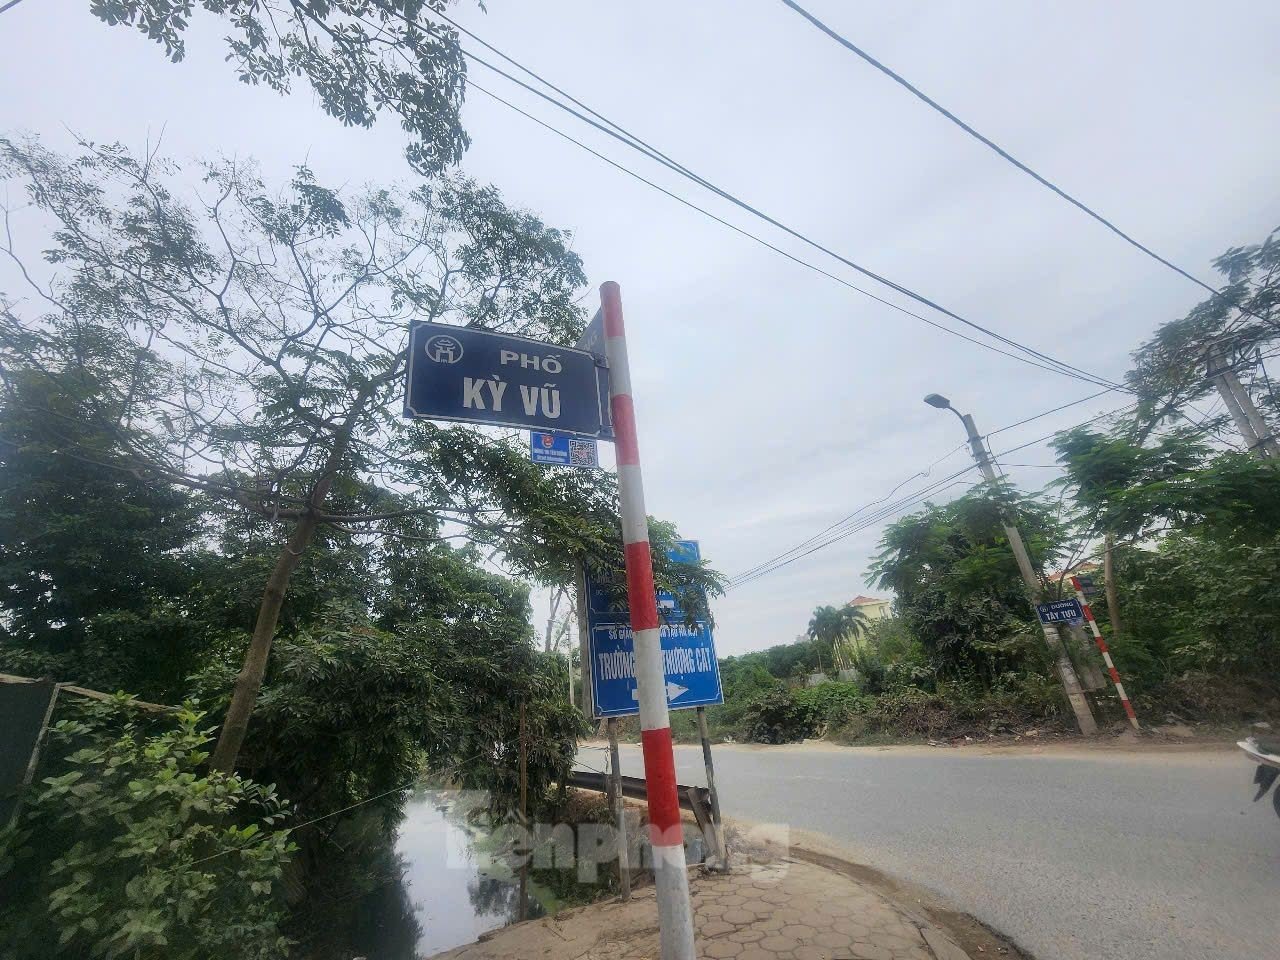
[771,400]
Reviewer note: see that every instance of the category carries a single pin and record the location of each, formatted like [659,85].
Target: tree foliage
[838,629]
[130,848]
[206,488]
[361,58]
[958,587]
[1169,369]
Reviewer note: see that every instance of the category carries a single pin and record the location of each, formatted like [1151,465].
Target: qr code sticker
[582,453]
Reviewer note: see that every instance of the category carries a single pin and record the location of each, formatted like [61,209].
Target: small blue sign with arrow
[688,651]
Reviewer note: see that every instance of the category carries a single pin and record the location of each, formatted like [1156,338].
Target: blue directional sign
[477,376]
[1060,611]
[688,651]
[562,450]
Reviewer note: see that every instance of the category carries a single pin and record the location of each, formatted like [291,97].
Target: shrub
[127,850]
[777,717]
[831,704]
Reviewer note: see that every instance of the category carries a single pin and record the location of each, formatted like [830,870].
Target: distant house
[1085,567]
[873,608]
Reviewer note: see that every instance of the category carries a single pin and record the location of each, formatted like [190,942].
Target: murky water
[458,886]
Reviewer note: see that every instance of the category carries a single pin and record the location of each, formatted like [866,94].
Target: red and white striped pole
[675,913]
[1106,654]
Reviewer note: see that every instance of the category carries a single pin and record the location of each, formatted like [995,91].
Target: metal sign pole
[619,809]
[675,911]
[722,847]
[524,816]
[584,641]
[1106,654]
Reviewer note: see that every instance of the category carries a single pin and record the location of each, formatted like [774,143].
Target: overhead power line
[880,515]
[603,124]
[1043,181]
[844,520]
[760,240]
[845,527]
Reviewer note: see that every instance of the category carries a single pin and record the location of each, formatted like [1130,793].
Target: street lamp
[1066,672]
[942,403]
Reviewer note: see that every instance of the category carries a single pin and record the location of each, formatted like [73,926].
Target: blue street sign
[477,376]
[1060,611]
[562,450]
[688,651]
[592,339]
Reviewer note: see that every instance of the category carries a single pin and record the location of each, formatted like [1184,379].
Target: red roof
[1087,566]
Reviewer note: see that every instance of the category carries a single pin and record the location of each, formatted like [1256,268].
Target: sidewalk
[788,910]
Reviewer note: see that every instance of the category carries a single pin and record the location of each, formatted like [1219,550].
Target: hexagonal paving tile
[776,943]
[715,928]
[737,915]
[800,932]
[722,950]
[810,952]
[854,929]
[895,942]
[749,935]
[833,939]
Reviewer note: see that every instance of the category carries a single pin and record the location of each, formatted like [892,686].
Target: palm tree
[835,626]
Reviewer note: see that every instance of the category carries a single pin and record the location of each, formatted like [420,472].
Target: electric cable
[1043,181]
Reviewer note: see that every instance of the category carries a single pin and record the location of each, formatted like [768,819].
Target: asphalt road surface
[1076,854]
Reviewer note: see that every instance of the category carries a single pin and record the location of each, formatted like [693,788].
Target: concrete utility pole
[1109,584]
[1253,428]
[1066,672]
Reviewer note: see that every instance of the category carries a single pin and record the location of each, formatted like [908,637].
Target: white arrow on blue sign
[688,651]
[478,376]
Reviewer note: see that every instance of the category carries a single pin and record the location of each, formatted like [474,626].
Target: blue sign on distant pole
[1060,611]
[688,651]
[477,376]
[562,450]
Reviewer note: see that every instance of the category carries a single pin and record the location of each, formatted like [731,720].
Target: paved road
[1076,855]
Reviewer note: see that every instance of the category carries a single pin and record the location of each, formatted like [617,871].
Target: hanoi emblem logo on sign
[444,349]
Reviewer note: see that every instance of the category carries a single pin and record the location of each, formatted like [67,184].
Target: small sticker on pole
[562,450]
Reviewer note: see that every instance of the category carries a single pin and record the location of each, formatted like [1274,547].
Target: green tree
[1169,369]
[129,847]
[361,58]
[959,591]
[252,349]
[835,628]
[97,564]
